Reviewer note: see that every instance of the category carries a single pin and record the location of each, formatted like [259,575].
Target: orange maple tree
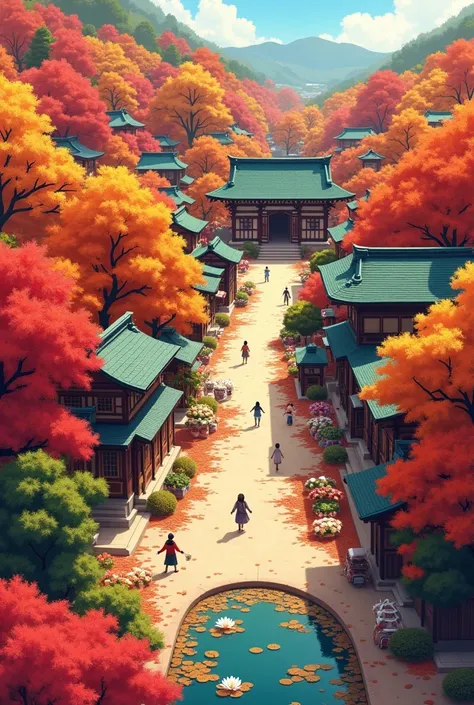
[213,211]
[458,63]
[290,131]
[208,155]
[116,92]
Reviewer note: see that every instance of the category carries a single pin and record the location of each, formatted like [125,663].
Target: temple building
[371,160]
[438,118]
[189,227]
[165,164]
[214,295]
[179,197]
[82,155]
[281,199]
[121,121]
[222,137]
[352,137]
[184,362]
[217,253]
[166,143]
[337,233]
[240,131]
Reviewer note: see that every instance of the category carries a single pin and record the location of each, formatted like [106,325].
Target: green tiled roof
[189,349]
[76,148]
[434,116]
[166,141]
[186,180]
[365,362]
[284,179]
[353,205]
[239,131]
[371,156]
[212,275]
[341,339]
[221,137]
[311,355]
[363,488]
[178,196]
[132,358]
[339,232]
[146,424]
[160,161]
[187,221]
[355,133]
[220,248]
[394,274]
[121,118]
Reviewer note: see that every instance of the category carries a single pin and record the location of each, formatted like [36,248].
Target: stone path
[271,549]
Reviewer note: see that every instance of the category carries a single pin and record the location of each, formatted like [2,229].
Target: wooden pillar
[264,224]
[326,207]
[233,215]
[299,222]
[260,223]
[294,227]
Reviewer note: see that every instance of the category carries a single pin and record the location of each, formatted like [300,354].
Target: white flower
[225,623]
[230,683]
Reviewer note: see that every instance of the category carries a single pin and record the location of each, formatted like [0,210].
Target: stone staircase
[115,512]
[279,252]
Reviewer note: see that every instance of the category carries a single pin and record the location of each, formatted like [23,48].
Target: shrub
[293,370]
[317,393]
[321,257]
[330,433]
[250,249]
[161,503]
[249,285]
[242,296]
[177,480]
[303,318]
[210,402]
[186,465]
[210,342]
[222,320]
[326,507]
[335,455]
[411,644]
[459,684]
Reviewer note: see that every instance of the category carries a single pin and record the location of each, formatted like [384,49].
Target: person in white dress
[277,456]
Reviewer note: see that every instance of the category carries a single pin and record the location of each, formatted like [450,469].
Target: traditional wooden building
[188,226]
[280,199]
[383,288]
[165,164]
[166,143]
[121,121]
[437,118]
[179,197]
[240,131]
[185,361]
[352,137]
[186,181]
[217,253]
[311,362]
[371,160]
[337,233]
[214,294]
[222,137]
[131,408]
[81,154]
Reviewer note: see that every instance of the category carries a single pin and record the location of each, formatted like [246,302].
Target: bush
[326,506]
[186,465]
[293,370]
[330,433]
[162,503]
[317,393]
[241,296]
[459,684]
[222,320]
[177,480]
[210,342]
[250,249]
[411,644]
[335,455]
[206,352]
[249,285]
[321,257]
[210,402]
[303,318]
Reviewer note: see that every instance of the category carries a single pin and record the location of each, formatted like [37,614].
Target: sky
[380,25]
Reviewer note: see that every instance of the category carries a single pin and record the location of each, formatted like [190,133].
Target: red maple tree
[54,18]
[160,73]
[377,101]
[168,38]
[17,27]
[71,45]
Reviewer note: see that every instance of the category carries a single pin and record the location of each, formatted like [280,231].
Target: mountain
[309,60]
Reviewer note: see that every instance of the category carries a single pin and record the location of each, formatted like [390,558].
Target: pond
[284,649]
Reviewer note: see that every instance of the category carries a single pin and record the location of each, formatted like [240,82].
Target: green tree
[171,55]
[303,318]
[46,527]
[145,35]
[40,48]
[124,604]
[321,257]
[89,30]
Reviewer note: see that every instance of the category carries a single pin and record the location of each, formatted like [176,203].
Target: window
[371,325]
[245,228]
[110,464]
[407,325]
[74,401]
[105,404]
[313,228]
[390,325]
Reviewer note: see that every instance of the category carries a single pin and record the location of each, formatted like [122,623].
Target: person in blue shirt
[266,272]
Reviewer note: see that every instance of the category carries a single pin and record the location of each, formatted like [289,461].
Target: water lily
[230,683]
[225,623]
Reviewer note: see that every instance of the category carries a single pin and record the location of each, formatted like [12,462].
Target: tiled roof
[434,116]
[178,196]
[186,180]
[160,161]
[364,363]
[189,349]
[187,221]
[121,118]
[371,156]
[239,131]
[220,248]
[132,358]
[146,424]
[292,178]
[212,276]
[394,274]
[355,133]
[76,148]
[353,205]
[221,137]
[166,141]
[311,355]
[341,339]
[338,232]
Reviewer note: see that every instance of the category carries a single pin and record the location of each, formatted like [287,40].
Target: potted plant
[205,355]
[325,508]
[320,408]
[329,436]
[177,483]
[241,299]
[326,493]
[198,418]
[327,527]
[321,481]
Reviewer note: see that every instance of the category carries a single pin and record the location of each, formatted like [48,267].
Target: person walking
[266,272]
[241,509]
[286,296]
[257,413]
[171,549]
[245,350]
[289,413]
[277,456]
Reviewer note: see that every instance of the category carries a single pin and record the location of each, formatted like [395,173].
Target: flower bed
[105,560]
[320,408]
[134,579]
[327,527]
[321,481]
[326,493]
[244,265]
[325,508]
[316,423]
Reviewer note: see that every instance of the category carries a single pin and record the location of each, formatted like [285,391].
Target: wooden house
[282,199]
[185,361]
[189,227]
[217,253]
[130,408]
[81,154]
[371,160]
[437,118]
[165,164]
[383,288]
[166,143]
[352,137]
[311,362]
[121,121]
[338,232]
[214,294]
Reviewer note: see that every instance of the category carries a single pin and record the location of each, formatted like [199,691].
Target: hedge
[162,503]
[411,644]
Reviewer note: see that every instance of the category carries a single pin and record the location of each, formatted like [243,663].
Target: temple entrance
[279,227]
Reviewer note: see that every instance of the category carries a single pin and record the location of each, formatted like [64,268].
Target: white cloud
[216,21]
[389,31]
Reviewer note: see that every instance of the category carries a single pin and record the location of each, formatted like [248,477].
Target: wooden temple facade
[218,254]
[280,199]
[213,292]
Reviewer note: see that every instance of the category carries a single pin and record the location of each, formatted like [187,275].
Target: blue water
[314,645]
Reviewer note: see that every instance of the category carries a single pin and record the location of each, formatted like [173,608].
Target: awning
[356,401]
[221,295]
